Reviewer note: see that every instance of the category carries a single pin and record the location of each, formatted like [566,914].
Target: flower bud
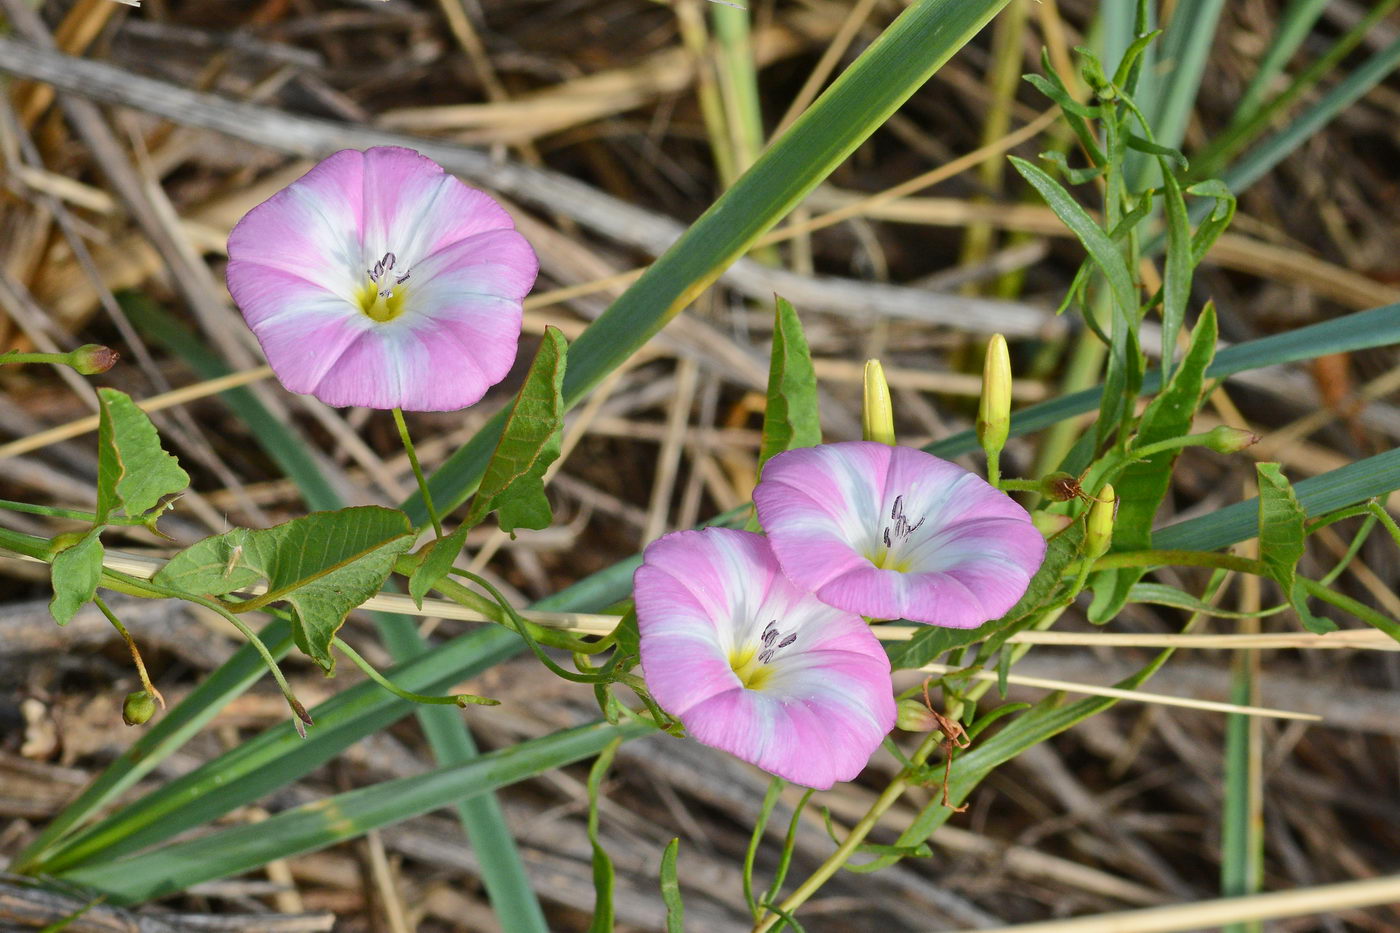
[878,413]
[1227,440]
[91,359]
[1099,533]
[1050,523]
[994,409]
[138,708]
[914,716]
[1061,487]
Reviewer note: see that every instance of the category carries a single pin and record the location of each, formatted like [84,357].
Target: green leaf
[1282,537]
[603,874]
[534,432]
[436,564]
[1162,595]
[1097,243]
[335,819]
[1176,280]
[932,640]
[671,888]
[323,564]
[133,471]
[790,418]
[75,573]
[1144,483]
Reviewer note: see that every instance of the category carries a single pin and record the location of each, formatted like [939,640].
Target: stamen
[379,275]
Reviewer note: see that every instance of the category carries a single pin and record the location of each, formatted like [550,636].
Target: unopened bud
[91,359]
[1061,487]
[878,413]
[914,716]
[1227,440]
[1099,533]
[138,708]
[994,409]
[1050,524]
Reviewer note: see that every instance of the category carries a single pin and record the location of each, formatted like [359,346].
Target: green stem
[770,800]
[75,514]
[417,472]
[1155,558]
[456,699]
[131,647]
[1017,485]
[994,473]
[58,359]
[857,835]
[1345,603]
[136,584]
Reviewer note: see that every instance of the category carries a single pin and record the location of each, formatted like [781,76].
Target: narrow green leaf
[75,573]
[1176,280]
[1076,176]
[1144,483]
[335,819]
[133,471]
[603,874]
[1148,147]
[790,418]
[323,564]
[1162,595]
[436,564]
[514,480]
[1097,243]
[671,888]
[1241,817]
[1056,92]
[930,641]
[1294,25]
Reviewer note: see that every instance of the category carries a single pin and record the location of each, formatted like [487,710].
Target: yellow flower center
[883,558]
[752,672]
[378,308]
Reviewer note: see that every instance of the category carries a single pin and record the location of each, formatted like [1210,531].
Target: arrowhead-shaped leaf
[323,564]
[790,418]
[133,471]
[1282,533]
[514,480]
[75,573]
[436,564]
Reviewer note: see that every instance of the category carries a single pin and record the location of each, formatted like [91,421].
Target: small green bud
[1227,440]
[1099,534]
[879,412]
[1050,524]
[994,409]
[914,716]
[91,359]
[138,708]
[1061,487]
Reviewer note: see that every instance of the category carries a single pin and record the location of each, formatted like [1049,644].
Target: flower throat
[378,298]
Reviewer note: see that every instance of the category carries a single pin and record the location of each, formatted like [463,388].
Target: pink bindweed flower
[377,279]
[895,533]
[752,665]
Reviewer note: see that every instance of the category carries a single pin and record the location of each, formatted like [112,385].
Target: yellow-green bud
[1050,524]
[91,359]
[1228,440]
[138,708]
[1099,534]
[914,716]
[879,413]
[994,410]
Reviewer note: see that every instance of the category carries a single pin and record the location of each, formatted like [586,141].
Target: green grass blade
[1260,160]
[336,819]
[278,756]
[671,888]
[1181,60]
[857,103]
[1318,495]
[168,734]
[1294,26]
[1242,818]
